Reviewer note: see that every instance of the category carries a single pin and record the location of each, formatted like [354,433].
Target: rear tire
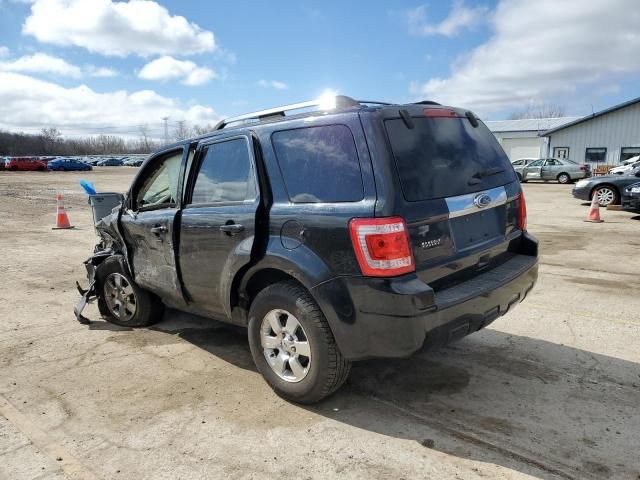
[121,301]
[564,178]
[317,369]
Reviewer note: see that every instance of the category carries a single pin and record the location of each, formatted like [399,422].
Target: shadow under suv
[347,232]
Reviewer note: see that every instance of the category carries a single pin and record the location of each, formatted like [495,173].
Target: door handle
[158,229]
[232,228]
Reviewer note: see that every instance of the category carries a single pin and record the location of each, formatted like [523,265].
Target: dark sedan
[110,162]
[609,188]
[68,164]
[631,198]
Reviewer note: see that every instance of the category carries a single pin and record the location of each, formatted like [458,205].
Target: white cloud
[26,102]
[4,51]
[139,27]
[169,68]
[273,84]
[41,63]
[542,50]
[94,71]
[461,17]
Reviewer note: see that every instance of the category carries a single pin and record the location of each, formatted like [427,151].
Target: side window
[552,163]
[518,163]
[225,173]
[537,163]
[319,164]
[161,186]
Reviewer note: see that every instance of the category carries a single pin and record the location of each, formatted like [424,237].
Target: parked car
[68,164]
[626,166]
[134,162]
[631,198]
[25,163]
[110,162]
[549,169]
[2,161]
[94,161]
[521,162]
[608,188]
[335,235]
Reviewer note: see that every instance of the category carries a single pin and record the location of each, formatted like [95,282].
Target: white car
[628,165]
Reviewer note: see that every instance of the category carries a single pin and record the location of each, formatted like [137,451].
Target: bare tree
[181,131]
[545,110]
[145,141]
[51,137]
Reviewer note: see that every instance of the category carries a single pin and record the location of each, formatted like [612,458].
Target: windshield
[444,157]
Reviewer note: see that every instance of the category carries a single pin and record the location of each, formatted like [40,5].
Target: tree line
[50,142]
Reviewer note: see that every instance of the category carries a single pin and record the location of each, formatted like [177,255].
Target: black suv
[362,230]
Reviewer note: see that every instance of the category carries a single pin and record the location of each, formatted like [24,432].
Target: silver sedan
[549,169]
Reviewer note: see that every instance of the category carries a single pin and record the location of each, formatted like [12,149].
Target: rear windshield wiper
[478,176]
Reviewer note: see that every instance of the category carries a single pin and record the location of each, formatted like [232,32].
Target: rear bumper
[372,317]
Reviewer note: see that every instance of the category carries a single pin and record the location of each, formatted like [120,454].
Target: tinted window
[225,173]
[443,157]
[161,186]
[319,164]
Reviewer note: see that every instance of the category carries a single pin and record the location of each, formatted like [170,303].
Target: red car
[25,163]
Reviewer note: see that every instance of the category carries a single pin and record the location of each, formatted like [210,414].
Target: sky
[105,66]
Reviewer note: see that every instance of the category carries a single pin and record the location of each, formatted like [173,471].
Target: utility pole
[166,130]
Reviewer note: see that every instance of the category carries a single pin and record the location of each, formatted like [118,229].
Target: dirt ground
[551,390]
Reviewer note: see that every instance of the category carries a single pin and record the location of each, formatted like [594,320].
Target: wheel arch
[278,264]
[600,185]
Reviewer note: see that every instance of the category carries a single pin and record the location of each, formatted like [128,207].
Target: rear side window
[319,164]
[444,157]
[225,173]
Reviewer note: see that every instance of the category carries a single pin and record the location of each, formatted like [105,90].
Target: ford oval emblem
[482,200]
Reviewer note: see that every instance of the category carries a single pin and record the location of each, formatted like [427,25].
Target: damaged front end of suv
[111,244]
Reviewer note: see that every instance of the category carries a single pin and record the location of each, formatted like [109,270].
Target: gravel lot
[551,390]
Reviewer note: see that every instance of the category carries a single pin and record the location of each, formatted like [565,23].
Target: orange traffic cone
[594,211]
[62,220]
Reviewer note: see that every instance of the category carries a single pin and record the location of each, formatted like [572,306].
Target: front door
[550,169]
[149,226]
[533,171]
[218,222]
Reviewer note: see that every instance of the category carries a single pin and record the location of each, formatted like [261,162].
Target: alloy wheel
[606,196]
[120,297]
[285,345]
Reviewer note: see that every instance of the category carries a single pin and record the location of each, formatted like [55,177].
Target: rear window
[319,164]
[444,157]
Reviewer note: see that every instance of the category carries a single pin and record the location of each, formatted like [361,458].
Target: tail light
[583,168]
[522,217]
[381,246]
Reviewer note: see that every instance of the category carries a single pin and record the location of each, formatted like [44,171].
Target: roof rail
[324,103]
[427,102]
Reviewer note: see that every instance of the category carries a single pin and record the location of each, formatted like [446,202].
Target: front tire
[607,195]
[121,301]
[293,346]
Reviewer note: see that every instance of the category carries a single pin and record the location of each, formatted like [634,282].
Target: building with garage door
[604,138]
[521,138]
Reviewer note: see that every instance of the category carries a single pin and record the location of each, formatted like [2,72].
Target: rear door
[218,221]
[459,194]
[149,226]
